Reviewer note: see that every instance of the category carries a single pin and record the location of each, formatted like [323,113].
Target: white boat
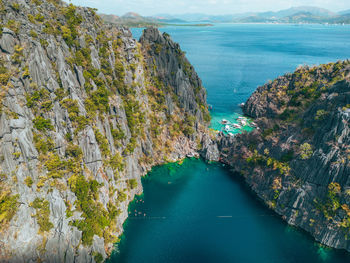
[227,127]
[237,126]
[243,122]
[224,121]
[231,134]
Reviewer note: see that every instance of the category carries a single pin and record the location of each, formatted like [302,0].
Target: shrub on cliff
[42,124]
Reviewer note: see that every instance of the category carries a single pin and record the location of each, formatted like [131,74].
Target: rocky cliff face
[85,111]
[298,161]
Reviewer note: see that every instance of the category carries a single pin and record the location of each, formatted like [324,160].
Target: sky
[213,7]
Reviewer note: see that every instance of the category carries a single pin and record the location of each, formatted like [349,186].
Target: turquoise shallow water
[202,213]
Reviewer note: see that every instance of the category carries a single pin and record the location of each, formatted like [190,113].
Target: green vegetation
[74,151]
[100,98]
[42,124]
[135,117]
[118,134]
[39,100]
[16,154]
[8,205]
[305,151]
[4,74]
[73,20]
[303,88]
[97,219]
[17,56]
[28,181]
[26,73]
[116,163]
[331,203]
[98,257]
[39,17]
[122,197]
[37,2]
[42,144]
[56,167]
[42,215]
[79,122]
[321,115]
[188,125]
[265,160]
[132,183]
[15,6]
[103,143]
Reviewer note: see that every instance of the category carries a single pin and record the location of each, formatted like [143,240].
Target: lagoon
[198,212]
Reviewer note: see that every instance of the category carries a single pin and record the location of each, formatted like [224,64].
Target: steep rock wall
[84,114]
[298,160]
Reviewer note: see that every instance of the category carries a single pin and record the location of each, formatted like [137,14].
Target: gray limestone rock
[7,41]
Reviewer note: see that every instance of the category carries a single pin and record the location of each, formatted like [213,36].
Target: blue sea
[198,212]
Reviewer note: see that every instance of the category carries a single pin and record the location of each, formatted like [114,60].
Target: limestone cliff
[298,161]
[85,111]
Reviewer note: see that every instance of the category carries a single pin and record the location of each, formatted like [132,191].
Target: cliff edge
[85,111]
[298,160]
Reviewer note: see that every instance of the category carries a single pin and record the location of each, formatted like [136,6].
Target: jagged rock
[85,114]
[319,98]
[7,41]
[210,150]
[173,68]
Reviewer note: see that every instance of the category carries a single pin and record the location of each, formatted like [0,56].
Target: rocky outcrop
[298,160]
[166,56]
[86,110]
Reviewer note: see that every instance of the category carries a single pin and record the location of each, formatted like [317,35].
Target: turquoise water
[232,118]
[196,212]
[202,213]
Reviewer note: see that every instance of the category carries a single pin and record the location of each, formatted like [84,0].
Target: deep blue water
[233,59]
[200,212]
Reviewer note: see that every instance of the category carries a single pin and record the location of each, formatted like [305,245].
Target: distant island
[294,15]
[136,20]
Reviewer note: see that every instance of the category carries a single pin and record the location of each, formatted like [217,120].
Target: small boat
[242,104]
[243,122]
[237,126]
[231,134]
[224,121]
[227,127]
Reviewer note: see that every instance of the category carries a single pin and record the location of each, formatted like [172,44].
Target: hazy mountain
[130,19]
[302,17]
[301,14]
[135,20]
[345,12]
[344,19]
[312,10]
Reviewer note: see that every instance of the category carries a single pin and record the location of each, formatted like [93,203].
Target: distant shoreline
[199,25]
[226,23]
[162,25]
